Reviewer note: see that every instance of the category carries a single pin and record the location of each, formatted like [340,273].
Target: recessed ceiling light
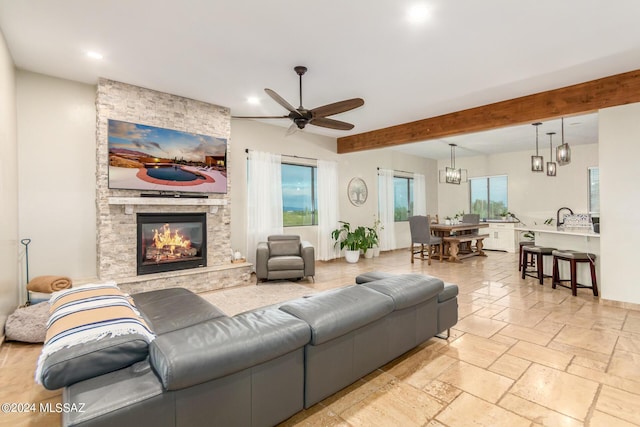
[94,55]
[417,13]
[253,100]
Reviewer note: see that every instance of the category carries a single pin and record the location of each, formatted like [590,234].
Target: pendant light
[551,166]
[451,175]
[563,152]
[537,162]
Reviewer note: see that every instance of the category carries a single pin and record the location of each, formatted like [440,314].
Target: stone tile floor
[521,354]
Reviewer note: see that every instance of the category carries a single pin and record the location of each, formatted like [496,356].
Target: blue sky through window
[296,187]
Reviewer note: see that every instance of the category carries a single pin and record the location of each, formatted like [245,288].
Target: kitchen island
[576,239]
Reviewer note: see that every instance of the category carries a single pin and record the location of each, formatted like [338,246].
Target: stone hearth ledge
[202,279]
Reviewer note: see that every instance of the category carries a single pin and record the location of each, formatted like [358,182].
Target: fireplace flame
[165,238]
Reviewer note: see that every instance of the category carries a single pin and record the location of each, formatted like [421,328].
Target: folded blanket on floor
[48,284]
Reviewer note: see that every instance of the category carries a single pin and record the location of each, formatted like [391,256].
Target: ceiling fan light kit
[316,116]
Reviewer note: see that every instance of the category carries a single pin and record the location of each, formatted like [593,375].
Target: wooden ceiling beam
[581,98]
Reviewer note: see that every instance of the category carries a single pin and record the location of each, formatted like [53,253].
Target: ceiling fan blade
[331,123]
[337,107]
[292,129]
[280,100]
[259,117]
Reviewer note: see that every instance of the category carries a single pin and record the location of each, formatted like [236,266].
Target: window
[489,196]
[594,191]
[299,191]
[402,198]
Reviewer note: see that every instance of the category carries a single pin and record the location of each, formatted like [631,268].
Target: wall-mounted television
[156,159]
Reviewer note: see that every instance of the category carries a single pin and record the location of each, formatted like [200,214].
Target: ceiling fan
[316,116]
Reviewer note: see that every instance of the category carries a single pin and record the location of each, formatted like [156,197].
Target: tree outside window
[402,198]
[489,196]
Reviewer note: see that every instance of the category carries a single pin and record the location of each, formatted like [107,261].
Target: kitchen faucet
[558,223]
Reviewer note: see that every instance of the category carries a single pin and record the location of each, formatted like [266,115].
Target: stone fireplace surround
[116,219]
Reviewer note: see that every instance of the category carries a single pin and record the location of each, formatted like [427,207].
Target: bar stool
[528,253]
[527,243]
[574,257]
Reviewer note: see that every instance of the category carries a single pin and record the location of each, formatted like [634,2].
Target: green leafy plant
[371,237]
[353,240]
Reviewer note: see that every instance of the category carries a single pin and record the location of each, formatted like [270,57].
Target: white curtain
[419,195]
[386,209]
[328,212]
[264,199]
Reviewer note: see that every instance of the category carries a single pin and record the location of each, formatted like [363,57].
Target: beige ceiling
[578,130]
[467,53]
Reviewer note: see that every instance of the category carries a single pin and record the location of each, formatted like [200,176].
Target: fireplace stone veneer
[116,223]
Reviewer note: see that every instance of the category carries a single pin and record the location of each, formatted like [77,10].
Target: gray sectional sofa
[260,367]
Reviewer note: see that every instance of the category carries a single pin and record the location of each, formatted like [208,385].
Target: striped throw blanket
[87,313]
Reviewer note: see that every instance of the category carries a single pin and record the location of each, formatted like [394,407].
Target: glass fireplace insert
[171,241]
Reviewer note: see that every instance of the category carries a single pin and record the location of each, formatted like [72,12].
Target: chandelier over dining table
[453,175]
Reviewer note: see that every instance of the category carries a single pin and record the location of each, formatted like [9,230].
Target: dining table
[457,239]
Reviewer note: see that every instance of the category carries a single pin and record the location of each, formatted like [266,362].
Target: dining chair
[471,218]
[421,235]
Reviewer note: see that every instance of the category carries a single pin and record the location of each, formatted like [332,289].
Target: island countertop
[568,239]
[561,231]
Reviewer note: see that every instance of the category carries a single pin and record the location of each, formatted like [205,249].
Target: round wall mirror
[357,191]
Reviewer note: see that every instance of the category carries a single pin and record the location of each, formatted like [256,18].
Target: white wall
[56,157]
[9,278]
[253,135]
[532,197]
[619,133]
[364,165]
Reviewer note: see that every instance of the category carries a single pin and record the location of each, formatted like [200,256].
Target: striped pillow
[84,322]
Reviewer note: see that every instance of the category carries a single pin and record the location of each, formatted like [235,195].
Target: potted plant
[352,240]
[371,240]
[504,214]
[447,220]
[458,217]
[531,235]
[377,227]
